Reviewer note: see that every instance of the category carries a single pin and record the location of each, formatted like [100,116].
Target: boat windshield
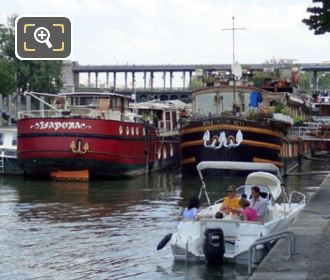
[245,190]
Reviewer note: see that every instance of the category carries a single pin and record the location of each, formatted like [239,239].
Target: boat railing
[75,112]
[300,194]
[38,114]
[165,128]
[310,131]
[164,125]
[288,235]
[219,200]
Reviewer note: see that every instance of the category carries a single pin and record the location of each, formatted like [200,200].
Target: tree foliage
[319,20]
[7,77]
[34,75]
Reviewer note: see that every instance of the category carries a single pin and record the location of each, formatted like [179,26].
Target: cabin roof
[238,88]
[160,105]
[92,94]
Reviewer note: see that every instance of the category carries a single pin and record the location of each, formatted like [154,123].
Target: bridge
[168,81]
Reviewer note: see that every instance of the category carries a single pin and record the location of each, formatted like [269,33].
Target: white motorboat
[229,239]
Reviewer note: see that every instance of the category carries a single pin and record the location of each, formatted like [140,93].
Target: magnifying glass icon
[41,35]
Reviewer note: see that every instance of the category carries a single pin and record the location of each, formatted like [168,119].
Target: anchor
[76,147]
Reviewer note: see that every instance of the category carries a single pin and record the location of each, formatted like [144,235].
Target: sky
[137,32]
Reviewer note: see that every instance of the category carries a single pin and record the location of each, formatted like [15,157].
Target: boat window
[14,141]
[10,153]
[1,138]
[213,103]
[126,103]
[115,102]
[87,101]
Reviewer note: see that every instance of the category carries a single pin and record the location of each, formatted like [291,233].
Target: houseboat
[95,132]
[239,122]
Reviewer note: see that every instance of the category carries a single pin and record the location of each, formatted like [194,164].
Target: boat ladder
[289,235]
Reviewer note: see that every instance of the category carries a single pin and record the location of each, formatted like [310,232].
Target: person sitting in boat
[258,203]
[231,202]
[190,212]
[248,213]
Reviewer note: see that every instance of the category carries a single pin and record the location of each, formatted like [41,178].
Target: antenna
[233,30]
[236,68]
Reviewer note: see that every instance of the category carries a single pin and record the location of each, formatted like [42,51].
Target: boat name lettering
[60,125]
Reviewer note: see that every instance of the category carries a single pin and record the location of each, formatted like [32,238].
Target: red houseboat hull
[105,148]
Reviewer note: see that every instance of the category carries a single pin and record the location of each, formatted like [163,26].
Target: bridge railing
[136,89]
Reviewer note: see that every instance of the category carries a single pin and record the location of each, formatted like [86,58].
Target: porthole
[120,130]
[127,130]
[171,150]
[144,131]
[159,153]
[137,131]
[164,152]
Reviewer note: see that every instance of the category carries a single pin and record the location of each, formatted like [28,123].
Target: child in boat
[230,204]
[190,212]
[248,213]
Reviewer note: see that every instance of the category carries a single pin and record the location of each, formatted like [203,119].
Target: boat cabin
[227,100]
[96,105]
[322,104]
[164,115]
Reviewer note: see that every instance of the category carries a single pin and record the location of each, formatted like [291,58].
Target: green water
[107,229]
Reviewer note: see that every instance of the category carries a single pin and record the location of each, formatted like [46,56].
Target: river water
[107,229]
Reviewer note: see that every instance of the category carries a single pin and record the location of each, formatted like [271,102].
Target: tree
[7,77]
[7,69]
[196,83]
[319,21]
[34,75]
[305,79]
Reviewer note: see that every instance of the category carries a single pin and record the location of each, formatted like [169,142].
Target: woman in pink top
[248,214]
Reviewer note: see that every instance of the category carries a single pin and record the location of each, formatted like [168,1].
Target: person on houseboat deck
[248,213]
[190,212]
[258,203]
[230,205]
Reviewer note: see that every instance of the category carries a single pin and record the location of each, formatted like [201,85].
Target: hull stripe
[87,135]
[89,154]
[231,127]
[278,163]
[245,142]
[188,160]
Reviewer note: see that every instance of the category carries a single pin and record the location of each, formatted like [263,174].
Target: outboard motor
[214,245]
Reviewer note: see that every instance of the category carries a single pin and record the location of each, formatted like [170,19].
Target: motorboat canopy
[257,178]
[236,165]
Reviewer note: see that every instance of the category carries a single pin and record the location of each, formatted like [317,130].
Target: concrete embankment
[312,231]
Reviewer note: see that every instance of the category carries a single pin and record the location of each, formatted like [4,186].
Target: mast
[233,29]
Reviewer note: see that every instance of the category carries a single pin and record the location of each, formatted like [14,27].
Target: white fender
[239,137]
[206,138]
[223,138]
